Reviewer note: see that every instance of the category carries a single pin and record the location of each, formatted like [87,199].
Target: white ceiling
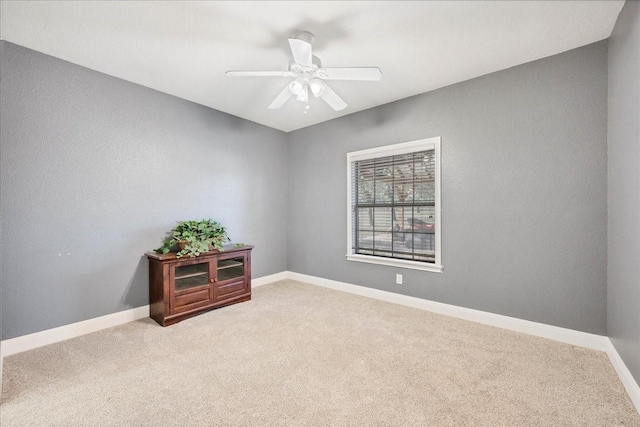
[184,48]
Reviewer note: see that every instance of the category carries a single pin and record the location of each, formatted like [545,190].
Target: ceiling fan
[310,75]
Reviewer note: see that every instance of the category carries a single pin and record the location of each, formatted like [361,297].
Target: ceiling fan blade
[301,51]
[281,99]
[372,74]
[333,99]
[260,73]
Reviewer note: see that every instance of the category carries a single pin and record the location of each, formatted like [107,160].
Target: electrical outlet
[399,279]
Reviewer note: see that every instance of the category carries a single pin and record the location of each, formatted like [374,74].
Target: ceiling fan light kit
[309,75]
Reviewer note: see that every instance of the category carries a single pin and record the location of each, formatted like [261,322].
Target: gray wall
[523,191]
[2,44]
[623,274]
[95,170]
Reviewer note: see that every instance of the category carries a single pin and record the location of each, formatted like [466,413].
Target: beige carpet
[300,355]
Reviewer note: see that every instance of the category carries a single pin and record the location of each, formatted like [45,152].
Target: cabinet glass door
[190,276]
[232,268]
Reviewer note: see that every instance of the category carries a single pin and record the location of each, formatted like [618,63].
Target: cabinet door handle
[213,280]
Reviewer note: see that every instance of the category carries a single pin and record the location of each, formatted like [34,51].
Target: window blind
[393,206]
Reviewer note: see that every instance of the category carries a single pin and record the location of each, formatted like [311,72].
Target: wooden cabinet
[183,287]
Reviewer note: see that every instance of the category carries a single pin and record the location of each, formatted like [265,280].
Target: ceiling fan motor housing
[316,64]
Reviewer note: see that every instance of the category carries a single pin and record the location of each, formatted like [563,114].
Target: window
[394,205]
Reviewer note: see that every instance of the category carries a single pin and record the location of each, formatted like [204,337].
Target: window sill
[415,265]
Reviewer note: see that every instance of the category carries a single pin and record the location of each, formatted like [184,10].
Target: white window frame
[391,150]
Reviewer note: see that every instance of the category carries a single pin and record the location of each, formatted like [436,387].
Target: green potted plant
[195,238]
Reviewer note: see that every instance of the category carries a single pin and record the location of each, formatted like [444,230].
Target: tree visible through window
[394,203]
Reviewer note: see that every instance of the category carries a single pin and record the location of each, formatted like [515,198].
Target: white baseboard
[264,280]
[50,336]
[569,336]
[623,372]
